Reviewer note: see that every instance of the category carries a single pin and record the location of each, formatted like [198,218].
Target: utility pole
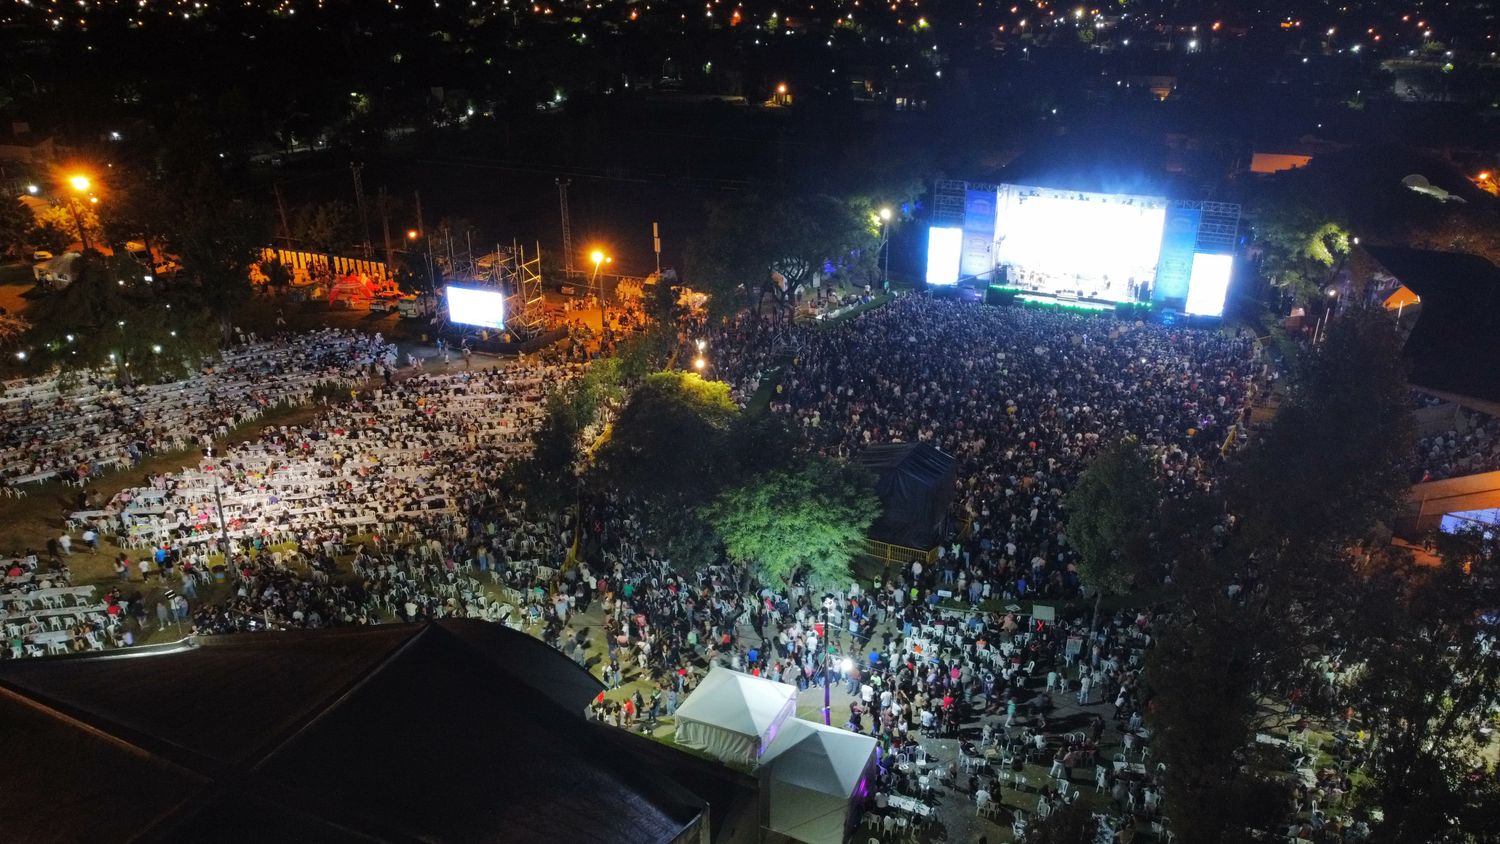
[359,201]
[567,227]
[385,228]
[286,228]
[656,244]
[223,528]
[421,229]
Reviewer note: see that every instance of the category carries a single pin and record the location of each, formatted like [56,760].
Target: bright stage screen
[1089,245]
[468,306]
[1208,286]
[945,247]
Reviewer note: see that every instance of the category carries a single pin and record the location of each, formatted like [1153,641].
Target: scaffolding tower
[514,272]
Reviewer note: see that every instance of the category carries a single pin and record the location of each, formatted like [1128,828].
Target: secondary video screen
[469,306]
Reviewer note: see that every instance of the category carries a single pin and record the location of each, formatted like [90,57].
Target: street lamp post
[80,185]
[599,258]
[885,246]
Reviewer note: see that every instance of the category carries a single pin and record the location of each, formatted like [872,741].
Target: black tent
[448,731]
[915,484]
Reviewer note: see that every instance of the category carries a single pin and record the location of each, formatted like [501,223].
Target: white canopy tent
[812,776]
[734,716]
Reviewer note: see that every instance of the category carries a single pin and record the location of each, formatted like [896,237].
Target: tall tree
[218,236]
[668,443]
[1257,601]
[1300,246]
[809,519]
[16,224]
[1111,512]
[775,245]
[1425,689]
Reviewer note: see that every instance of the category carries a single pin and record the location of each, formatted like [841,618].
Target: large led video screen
[1208,286]
[1084,245]
[945,247]
[471,306]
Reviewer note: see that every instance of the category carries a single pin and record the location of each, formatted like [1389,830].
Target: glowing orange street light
[599,258]
[412,234]
[80,184]
[699,363]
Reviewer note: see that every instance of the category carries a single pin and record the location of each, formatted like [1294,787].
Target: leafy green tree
[668,442]
[96,321]
[1300,245]
[810,519]
[331,227]
[16,224]
[1112,510]
[218,235]
[548,476]
[1426,689]
[1257,602]
[47,235]
[774,245]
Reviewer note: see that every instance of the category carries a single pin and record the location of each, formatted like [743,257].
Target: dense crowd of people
[76,425]
[1469,447]
[394,505]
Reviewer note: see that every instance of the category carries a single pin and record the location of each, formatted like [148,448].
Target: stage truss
[513,271]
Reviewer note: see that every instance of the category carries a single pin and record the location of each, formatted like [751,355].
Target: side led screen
[468,306]
[1208,286]
[945,247]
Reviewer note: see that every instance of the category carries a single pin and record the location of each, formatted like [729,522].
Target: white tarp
[812,777]
[734,716]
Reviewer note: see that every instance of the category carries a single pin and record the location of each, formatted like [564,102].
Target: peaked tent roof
[819,758]
[915,483]
[389,733]
[737,702]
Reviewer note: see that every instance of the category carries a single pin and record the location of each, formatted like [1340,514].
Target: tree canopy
[807,519]
[1286,583]
[669,441]
[1111,512]
[774,245]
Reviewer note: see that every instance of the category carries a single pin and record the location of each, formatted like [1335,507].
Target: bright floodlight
[79,182]
[596,256]
[412,234]
[471,306]
[699,363]
[885,214]
[1209,284]
[944,249]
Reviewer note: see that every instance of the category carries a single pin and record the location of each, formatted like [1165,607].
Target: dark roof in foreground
[447,731]
[1455,344]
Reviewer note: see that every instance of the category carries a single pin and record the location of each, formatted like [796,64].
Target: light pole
[599,258]
[80,185]
[885,246]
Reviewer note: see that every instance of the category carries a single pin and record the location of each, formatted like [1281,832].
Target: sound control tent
[812,777]
[733,716]
[914,482]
